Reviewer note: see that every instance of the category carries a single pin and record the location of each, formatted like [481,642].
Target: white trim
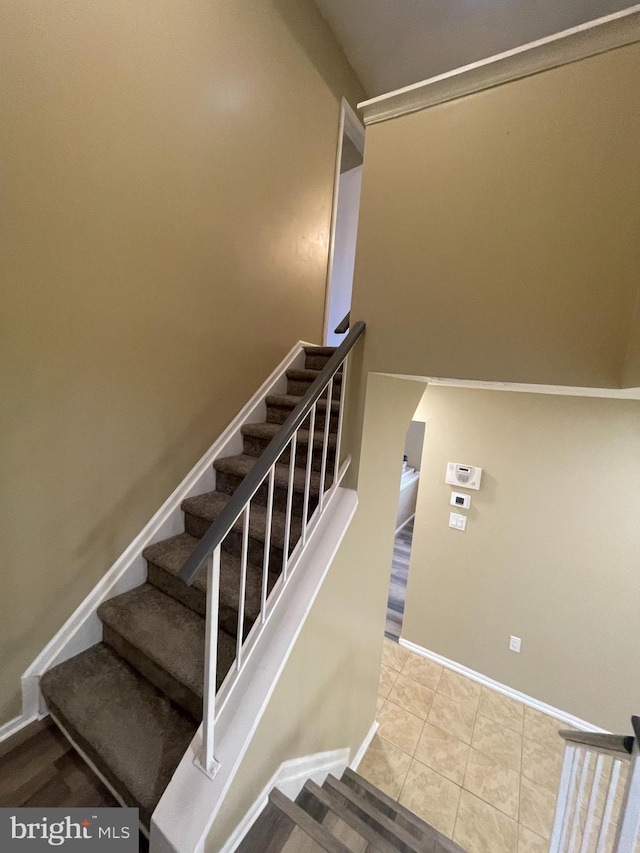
[348,125]
[190,803]
[563,716]
[83,629]
[289,778]
[409,481]
[16,725]
[525,387]
[588,39]
[404,523]
[364,746]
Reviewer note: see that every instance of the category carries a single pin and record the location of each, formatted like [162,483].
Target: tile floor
[478,766]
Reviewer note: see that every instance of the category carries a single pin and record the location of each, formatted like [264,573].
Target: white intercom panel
[466,476]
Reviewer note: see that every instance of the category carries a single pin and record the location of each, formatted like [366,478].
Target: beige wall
[500,233]
[166,191]
[551,549]
[327,701]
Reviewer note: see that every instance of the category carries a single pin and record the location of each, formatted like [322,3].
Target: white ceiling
[393,43]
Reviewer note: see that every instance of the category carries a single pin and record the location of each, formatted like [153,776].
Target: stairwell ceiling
[393,43]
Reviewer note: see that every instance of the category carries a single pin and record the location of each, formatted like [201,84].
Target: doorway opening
[409,481]
[344,226]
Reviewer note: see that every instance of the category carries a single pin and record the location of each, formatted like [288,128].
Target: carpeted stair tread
[308,375]
[290,401]
[266,432]
[211,504]
[133,733]
[242,464]
[167,633]
[171,554]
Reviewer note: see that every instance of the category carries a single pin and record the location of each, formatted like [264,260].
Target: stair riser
[279,414]
[299,387]
[196,600]
[233,543]
[253,446]
[191,597]
[386,810]
[228,483]
[316,362]
[164,681]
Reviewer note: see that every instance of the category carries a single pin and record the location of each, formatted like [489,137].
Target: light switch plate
[457,521]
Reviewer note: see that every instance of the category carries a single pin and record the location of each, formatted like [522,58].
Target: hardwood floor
[398,584]
[40,768]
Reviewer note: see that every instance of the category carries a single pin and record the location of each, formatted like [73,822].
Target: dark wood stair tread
[307,824]
[324,807]
[397,812]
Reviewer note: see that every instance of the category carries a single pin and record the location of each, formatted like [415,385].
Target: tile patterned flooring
[477,765]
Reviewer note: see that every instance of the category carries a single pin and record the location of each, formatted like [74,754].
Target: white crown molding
[589,39]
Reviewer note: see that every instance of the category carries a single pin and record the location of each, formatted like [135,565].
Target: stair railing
[598,804]
[208,550]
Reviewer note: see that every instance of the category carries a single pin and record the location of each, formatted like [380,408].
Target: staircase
[132,703]
[349,815]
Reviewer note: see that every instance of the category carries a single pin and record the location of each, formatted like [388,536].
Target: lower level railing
[598,806]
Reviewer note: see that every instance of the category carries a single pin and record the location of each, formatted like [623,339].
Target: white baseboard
[83,629]
[289,778]
[364,746]
[562,716]
[17,724]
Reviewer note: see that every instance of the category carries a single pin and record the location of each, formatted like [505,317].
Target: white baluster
[267,545]
[207,761]
[325,442]
[562,803]
[343,394]
[243,585]
[629,824]
[287,516]
[575,828]
[593,804]
[571,798]
[307,479]
[608,807]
